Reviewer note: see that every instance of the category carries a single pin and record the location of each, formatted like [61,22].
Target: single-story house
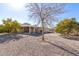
[32,29]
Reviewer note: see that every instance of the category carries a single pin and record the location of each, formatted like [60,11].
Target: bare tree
[45,13]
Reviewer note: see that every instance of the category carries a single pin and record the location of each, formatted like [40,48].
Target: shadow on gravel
[62,48]
[14,36]
[32,34]
[9,37]
[71,37]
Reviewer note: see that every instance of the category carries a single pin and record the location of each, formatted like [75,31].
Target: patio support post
[29,30]
[34,29]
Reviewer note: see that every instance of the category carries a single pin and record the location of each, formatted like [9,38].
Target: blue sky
[72,10]
[20,14]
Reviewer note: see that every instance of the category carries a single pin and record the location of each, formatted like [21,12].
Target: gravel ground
[29,45]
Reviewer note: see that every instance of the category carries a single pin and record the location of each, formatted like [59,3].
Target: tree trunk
[43,34]
[43,30]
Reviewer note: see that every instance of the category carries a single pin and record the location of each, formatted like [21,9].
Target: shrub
[11,26]
[67,26]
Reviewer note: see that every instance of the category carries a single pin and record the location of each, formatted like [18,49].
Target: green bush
[10,26]
[2,29]
[67,26]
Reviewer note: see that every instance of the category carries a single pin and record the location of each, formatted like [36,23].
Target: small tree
[45,13]
[11,26]
[2,29]
[76,28]
[67,26]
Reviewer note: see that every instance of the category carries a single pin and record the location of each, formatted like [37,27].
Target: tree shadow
[9,37]
[75,54]
[71,37]
[32,34]
[14,36]
[35,34]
